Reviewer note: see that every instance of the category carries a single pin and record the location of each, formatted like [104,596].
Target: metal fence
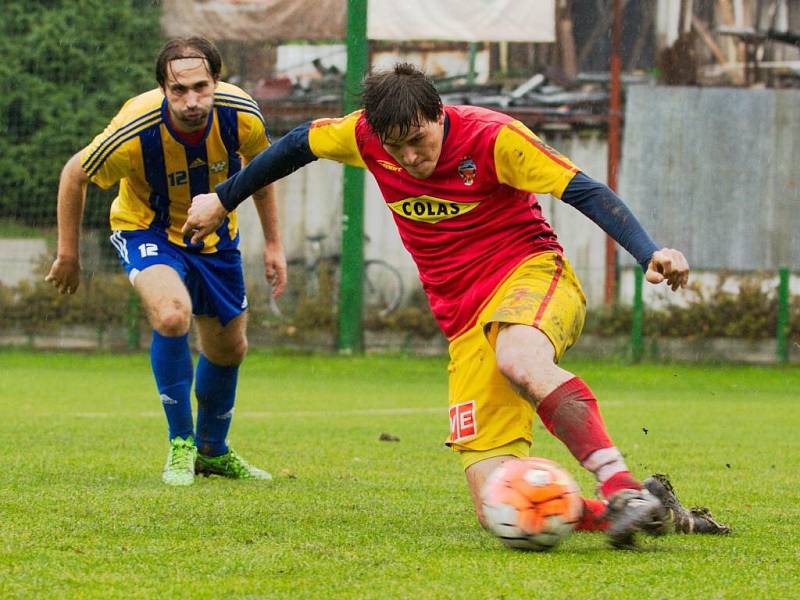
[709,171]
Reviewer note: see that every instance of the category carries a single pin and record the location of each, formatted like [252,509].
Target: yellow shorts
[485,411]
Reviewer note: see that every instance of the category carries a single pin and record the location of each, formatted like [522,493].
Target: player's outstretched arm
[288,154]
[524,162]
[595,200]
[600,204]
[65,271]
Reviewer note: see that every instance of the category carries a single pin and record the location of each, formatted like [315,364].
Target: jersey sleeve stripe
[237,102]
[241,97]
[332,121]
[231,98]
[100,159]
[123,130]
[539,146]
[241,108]
[234,104]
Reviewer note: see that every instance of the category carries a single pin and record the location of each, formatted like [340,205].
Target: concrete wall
[713,172]
[19,259]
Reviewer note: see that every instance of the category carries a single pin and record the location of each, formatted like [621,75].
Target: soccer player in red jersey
[460,182]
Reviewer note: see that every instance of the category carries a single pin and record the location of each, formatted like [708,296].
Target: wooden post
[614,122]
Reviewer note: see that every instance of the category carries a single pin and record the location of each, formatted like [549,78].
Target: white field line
[365,412]
[298,414]
[302,414]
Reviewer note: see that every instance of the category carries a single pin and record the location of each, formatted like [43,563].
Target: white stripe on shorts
[120,244]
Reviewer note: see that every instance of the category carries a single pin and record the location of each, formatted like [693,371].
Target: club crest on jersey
[217,167]
[467,170]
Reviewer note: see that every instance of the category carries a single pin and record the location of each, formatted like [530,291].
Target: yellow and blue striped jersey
[159,174]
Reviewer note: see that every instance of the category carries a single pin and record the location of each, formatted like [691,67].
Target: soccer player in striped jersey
[164,146]
[460,184]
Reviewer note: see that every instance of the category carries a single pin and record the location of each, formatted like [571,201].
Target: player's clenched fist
[205,215]
[668,265]
[65,274]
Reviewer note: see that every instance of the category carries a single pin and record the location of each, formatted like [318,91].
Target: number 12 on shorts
[148,249]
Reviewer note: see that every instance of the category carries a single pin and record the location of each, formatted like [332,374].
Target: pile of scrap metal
[287,104]
[754,40]
[541,101]
[325,88]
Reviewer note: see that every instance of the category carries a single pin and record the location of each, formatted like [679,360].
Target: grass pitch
[84,513]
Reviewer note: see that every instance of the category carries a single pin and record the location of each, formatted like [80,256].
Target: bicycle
[316,281]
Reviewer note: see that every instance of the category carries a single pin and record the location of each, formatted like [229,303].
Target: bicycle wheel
[383,287]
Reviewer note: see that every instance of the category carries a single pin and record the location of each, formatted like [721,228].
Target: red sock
[570,413]
[619,481]
[592,518]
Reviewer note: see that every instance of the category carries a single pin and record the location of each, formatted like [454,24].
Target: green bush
[751,313]
[102,302]
[67,68]
[34,306]
[307,310]
[414,318]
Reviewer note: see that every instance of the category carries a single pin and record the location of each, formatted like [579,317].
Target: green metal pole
[473,54]
[782,335]
[351,290]
[637,342]
[134,335]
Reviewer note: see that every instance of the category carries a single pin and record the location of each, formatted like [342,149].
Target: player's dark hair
[188,47]
[399,99]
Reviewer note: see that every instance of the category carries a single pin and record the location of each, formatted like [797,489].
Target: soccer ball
[531,503]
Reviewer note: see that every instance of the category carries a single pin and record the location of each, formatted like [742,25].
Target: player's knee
[228,355]
[173,320]
[239,350]
[513,365]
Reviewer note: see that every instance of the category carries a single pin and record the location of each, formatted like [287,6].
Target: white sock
[605,463]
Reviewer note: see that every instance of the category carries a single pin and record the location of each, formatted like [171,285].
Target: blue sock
[215,389]
[171,360]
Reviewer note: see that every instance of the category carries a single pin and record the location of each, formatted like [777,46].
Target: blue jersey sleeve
[604,207]
[285,156]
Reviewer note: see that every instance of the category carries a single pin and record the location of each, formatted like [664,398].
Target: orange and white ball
[531,503]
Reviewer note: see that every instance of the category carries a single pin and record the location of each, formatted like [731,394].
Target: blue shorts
[215,281]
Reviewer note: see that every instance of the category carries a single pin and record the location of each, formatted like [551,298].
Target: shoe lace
[180,457]
[237,464]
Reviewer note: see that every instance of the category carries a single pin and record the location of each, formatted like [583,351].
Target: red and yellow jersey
[159,174]
[476,217]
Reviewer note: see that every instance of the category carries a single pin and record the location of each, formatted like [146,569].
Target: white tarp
[281,20]
[263,20]
[462,20]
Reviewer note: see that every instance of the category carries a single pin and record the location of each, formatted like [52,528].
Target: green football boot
[179,469]
[229,465]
